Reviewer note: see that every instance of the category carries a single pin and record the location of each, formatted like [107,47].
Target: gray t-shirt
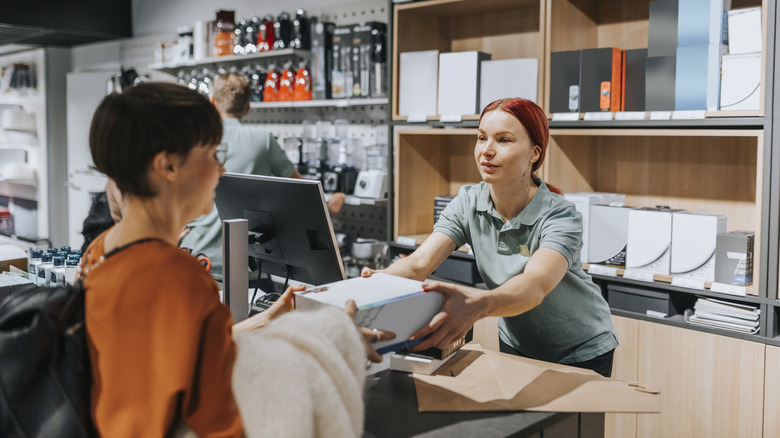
[251,150]
[573,323]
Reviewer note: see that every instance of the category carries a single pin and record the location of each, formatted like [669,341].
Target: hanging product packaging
[286,81]
[224,36]
[265,34]
[271,87]
[302,88]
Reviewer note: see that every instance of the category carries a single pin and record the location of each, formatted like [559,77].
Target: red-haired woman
[526,241]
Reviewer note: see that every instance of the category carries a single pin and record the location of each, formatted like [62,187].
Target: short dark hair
[129,129]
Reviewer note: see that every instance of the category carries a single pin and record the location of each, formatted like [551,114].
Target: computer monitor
[289,225]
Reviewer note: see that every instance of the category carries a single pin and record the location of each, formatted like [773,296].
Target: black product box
[321,59]
[341,74]
[634,80]
[460,270]
[639,300]
[662,28]
[734,258]
[362,59]
[597,67]
[565,81]
[439,204]
[660,76]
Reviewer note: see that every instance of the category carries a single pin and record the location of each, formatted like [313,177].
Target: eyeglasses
[221,154]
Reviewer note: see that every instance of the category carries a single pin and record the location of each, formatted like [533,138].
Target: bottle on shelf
[71,270]
[282,31]
[302,88]
[35,262]
[57,274]
[286,83]
[271,85]
[44,269]
[301,31]
[265,34]
[224,36]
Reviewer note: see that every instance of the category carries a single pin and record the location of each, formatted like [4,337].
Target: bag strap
[113,252]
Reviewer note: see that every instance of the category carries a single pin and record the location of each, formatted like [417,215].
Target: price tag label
[688,115]
[565,117]
[690,283]
[602,115]
[451,118]
[630,115]
[607,271]
[417,118]
[660,115]
[731,289]
[638,275]
[406,240]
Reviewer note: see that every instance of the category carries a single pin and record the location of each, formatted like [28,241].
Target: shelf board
[710,122]
[679,321]
[339,103]
[231,59]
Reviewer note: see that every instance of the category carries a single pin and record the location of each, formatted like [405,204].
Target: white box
[694,237]
[416,364]
[459,83]
[649,240]
[508,78]
[740,82]
[384,302]
[582,202]
[744,30]
[418,83]
[608,235]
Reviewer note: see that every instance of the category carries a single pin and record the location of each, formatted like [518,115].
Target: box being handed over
[384,302]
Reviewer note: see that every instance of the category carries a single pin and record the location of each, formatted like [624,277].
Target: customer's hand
[369,335]
[336,202]
[284,304]
[367,272]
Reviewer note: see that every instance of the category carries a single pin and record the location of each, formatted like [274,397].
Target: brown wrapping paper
[483,380]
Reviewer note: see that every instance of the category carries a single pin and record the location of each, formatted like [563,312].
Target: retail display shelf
[339,103]
[233,59]
[664,282]
[679,321]
[709,122]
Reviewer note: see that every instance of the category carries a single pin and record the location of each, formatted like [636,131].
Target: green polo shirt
[573,323]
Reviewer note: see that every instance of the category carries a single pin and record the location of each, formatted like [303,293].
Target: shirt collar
[230,121]
[530,213]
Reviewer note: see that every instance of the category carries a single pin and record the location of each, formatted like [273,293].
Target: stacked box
[734,258]
[608,235]
[582,202]
[650,240]
[694,239]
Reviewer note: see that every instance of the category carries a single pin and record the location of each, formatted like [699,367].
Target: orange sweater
[159,343]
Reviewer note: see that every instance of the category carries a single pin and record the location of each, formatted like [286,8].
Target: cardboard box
[608,235]
[697,79]
[508,78]
[565,81]
[649,240]
[744,30]
[693,244]
[459,82]
[596,67]
[734,258]
[740,87]
[418,83]
[582,202]
[384,302]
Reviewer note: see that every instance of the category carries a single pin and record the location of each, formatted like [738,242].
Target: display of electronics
[289,226]
[367,45]
[341,75]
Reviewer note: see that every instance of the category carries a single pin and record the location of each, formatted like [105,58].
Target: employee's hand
[460,309]
[369,335]
[336,202]
[285,303]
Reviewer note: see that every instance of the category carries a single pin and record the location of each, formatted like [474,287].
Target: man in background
[250,150]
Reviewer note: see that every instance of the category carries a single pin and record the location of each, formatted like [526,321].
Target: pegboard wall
[363,114]
[374,10]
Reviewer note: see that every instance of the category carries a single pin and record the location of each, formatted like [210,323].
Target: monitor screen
[289,225]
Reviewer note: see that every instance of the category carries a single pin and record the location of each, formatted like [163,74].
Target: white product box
[740,82]
[459,79]
[694,237]
[582,202]
[744,28]
[418,83]
[508,78]
[416,364]
[649,240]
[384,302]
[608,235]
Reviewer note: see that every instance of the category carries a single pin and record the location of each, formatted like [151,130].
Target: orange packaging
[286,81]
[271,87]
[302,88]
